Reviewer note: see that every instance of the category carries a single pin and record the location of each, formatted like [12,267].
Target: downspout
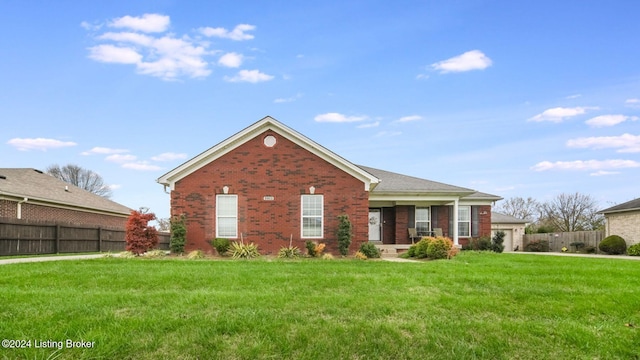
[19,208]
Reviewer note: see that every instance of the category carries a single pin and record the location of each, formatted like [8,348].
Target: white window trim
[415,222]
[235,236]
[461,221]
[302,217]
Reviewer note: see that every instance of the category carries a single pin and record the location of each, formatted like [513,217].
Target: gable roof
[267,123]
[20,183]
[498,218]
[632,205]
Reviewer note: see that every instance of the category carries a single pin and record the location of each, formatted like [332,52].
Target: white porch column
[455,223]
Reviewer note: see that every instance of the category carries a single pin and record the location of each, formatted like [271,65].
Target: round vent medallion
[269,141]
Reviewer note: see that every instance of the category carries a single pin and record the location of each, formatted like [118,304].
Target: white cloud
[369,125]
[232,60]
[471,60]
[286,100]
[104,151]
[252,76]
[149,23]
[585,165]
[575,96]
[26,144]
[604,173]
[114,186]
[626,143]
[120,159]
[114,54]
[338,118]
[422,77]
[167,56]
[237,34]
[559,114]
[128,37]
[169,156]
[609,120]
[141,166]
[632,103]
[409,118]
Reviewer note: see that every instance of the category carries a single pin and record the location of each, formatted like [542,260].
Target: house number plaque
[268,198]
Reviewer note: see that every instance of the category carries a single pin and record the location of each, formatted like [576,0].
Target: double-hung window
[464,221]
[422,221]
[312,216]
[227,216]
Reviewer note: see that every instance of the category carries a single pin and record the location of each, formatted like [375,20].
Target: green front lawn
[476,306]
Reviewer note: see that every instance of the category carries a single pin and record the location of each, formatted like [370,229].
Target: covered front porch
[389,226]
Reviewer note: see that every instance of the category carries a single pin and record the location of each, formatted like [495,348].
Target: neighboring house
[268,184]
[30,194]
[513,230]
[624,220]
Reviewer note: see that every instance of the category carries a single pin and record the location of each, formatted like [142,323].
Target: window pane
[312,216]
[227,227]
[227,216]
[463,229]
[464,213]
[227,205]
[422,214]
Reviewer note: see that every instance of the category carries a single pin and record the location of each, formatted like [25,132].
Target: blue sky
[510,98]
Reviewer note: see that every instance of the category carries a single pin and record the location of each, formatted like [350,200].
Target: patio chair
[437,232]
[413,234]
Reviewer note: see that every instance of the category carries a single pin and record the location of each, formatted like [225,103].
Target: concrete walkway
[49,258]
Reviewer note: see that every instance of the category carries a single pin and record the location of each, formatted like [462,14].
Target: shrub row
[433,248]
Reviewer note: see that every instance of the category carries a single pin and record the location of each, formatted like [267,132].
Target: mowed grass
[476,306]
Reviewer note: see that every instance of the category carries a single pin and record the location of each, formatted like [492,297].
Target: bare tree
[80,177]
[572,212]
[526,209]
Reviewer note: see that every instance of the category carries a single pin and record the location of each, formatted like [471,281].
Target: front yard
[476,306]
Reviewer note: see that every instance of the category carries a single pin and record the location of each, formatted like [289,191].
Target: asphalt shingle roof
[628,206]
[394,182]
[36,185]
[499,218]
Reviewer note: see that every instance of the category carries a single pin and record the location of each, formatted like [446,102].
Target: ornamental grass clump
[195,254]
[240,250]
[290,252]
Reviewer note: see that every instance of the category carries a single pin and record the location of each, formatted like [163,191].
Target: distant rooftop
[38,186]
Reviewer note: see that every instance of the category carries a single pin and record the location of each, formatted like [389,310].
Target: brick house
[31,195]
[624,220]
[268,183]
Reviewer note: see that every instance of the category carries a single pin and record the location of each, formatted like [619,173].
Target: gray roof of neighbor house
[628,206]
[498,218]
[397,183]
[37,186]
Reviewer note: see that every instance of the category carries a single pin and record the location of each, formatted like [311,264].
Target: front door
[375,228]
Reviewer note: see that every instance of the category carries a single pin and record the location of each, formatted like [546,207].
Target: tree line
[563,213]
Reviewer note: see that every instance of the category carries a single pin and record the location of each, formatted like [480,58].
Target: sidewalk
[49,258]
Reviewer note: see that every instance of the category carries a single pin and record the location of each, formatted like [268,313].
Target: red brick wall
[284,172]
[35,212]
[8,209]
[484,213]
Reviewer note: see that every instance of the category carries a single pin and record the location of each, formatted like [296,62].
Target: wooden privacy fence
[19,237]
[565,239]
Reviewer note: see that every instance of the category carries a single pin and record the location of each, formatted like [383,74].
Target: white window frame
[428,220]
[226,216]
[462,220]
[315,216]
